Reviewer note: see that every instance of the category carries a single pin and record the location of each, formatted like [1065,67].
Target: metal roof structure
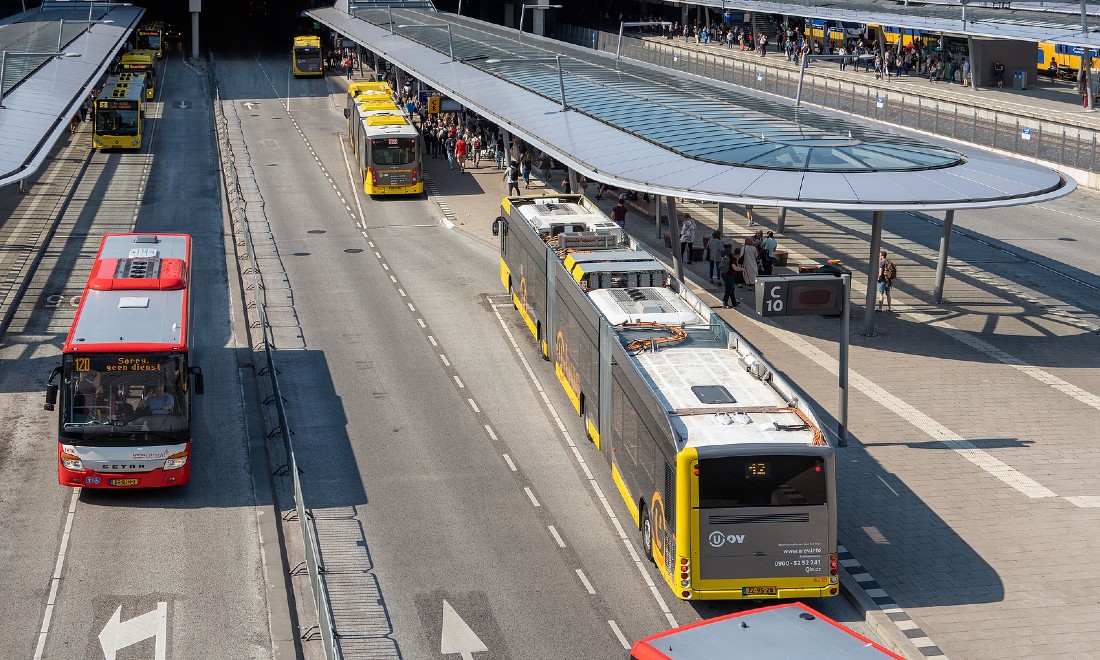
[999,20]
[42,93]
[642,127]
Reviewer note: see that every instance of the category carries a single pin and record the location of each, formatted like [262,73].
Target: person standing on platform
[511,175]
[750,256]
[525,163]
[687,237]
[618,214]
[729,267]
[460,153]
[450,144]
[713,253]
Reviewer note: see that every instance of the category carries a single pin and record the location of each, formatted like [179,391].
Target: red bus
[125,374]
[792,630]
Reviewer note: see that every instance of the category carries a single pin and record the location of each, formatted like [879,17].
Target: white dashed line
[619,634]
[473,404]
[531,495]
[411,308]
[584,580]
[402,292]
[421,322]
[557,537]
[458,381]
[432,340]
[511,465]
[55,581]
[445,360]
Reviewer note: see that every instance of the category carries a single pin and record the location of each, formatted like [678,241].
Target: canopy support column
[782,220]
[721,208]
[657,214]
[573,187]
[941,264]
[674,237]
[872,275]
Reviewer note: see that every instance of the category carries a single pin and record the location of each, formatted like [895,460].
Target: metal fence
[1055,142]
[238,210]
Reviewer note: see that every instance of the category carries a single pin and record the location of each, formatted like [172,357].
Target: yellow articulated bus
[387,146]
[150,36]
[143,62]
[720,461]
[306,58]
[118,118]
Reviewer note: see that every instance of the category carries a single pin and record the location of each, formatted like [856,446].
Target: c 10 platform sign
[799,295]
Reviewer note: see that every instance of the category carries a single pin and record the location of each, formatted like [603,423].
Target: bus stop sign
[799,295]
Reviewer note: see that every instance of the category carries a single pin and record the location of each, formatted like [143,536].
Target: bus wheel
[647,534]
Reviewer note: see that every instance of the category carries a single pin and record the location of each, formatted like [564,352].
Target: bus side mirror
[51,390]
[197,373]
[496,226]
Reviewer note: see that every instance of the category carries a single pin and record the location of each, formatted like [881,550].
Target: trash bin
[1019,79]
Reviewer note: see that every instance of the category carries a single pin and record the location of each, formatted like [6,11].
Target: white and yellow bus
[306,58]
[722,465]
[118,113]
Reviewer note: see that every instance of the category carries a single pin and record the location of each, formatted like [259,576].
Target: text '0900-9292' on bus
[722,467]
[126,377]
[387,146]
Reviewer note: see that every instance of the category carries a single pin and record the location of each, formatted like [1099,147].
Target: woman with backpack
[729,269]
[887,271]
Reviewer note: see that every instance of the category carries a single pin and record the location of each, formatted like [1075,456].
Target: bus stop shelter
[640,127]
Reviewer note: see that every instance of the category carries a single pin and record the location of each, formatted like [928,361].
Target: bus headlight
[72,462]
[175,461]
[97,144]
[134,143]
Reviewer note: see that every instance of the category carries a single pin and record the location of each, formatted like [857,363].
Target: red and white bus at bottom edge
[126,379]
[790,630]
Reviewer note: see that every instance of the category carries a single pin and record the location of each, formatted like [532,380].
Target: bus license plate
[759,591]
[124,482]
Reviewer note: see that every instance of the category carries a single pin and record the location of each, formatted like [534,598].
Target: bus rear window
[761,481]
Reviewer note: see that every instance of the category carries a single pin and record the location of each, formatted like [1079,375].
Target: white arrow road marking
[118,634]
[250,104]
[457,636]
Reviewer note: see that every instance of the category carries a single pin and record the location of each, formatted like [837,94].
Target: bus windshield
[116,121]
[737,481]
[393,151]
[124,398]
[150,41]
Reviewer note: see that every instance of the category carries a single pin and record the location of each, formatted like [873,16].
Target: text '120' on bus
[126,374]
[722,467]
[386,145]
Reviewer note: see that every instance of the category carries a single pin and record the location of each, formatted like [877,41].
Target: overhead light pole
[4,65]
[545,58]
[447,26]
[524,8]
[626,24]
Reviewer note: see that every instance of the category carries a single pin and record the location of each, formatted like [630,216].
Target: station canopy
[642,127]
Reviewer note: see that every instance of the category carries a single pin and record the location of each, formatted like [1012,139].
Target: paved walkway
[973,523]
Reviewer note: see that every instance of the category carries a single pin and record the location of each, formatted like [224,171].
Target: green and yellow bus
[306,58]
[720,461]
[150,36]
[118,115]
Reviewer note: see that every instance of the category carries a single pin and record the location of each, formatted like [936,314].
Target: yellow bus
[306,58]
[117,119]
[720,460]
[144,62]
[150,36]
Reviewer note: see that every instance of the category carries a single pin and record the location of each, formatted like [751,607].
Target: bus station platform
[968,523]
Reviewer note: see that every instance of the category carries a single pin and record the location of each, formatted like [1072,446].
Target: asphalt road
[185,560]
[438,471]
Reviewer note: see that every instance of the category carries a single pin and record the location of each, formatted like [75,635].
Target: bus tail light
[175,461]
[832,592]
[416,173]
[373,176]
[686,595]
[685,570]
[72,462]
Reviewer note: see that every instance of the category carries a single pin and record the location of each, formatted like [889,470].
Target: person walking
[729,267]
[460,153]
[475,144]
[713,253]
[511,175]
[526,160]
[687,237]
[450,144]
[618,214]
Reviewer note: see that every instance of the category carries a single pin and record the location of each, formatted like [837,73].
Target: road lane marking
[587,584]
[557,537]
[55,581]
[619,634]
[531,495]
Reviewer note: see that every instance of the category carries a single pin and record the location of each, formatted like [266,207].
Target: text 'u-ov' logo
[718,539]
